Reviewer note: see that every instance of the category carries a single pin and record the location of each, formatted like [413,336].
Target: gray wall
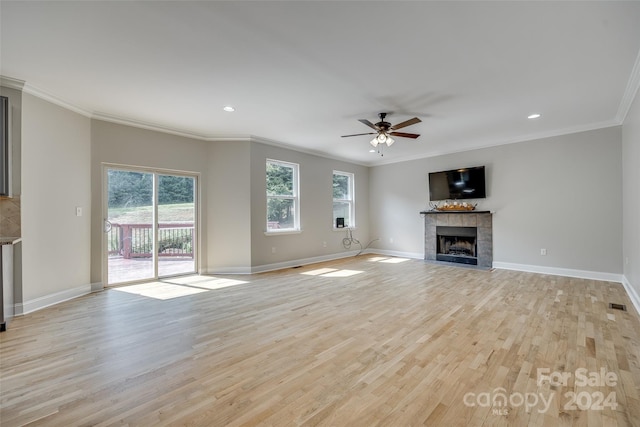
[316,208]
[229,207]
[126,145]
[631,195]
[562,193]
[232,195]
[56,162]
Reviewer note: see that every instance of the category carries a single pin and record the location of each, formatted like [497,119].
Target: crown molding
[219,138]
[530,137]
[39,93]
[164,129]
[630,92]
[632,88]
[11,83]
[26,88]
[147,126]
[266,141]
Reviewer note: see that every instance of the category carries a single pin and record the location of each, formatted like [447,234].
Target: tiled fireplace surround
[479,220]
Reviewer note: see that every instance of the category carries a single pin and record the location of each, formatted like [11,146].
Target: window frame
[350,201]
[295,167]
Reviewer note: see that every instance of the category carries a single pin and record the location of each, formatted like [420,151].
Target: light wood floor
[365,341]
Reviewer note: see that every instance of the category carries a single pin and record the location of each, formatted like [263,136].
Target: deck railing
[136,240]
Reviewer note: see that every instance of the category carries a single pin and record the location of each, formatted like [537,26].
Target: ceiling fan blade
[405,135]
[358,134]
[368,123]
[406,123]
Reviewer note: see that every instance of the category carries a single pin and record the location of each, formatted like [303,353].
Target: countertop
[9,240]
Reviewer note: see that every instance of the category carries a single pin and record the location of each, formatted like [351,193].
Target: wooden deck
[126,270]
[365,341]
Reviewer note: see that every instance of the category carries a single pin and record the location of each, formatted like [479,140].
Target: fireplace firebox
[457,244]
[459,238]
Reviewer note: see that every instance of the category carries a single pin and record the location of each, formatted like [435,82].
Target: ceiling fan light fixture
[384,130]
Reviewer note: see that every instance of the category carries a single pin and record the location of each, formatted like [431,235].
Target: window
[283,213]
[343,202]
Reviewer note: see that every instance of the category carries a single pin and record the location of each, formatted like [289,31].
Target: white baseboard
[412,255]
[633,295]
[51,299]
[306,261]
[303,261]
[555,271]
[229,270]
[97,287]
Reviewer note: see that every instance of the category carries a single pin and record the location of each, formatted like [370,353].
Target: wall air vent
[615,306]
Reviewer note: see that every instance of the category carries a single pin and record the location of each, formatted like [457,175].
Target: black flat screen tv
[464,183]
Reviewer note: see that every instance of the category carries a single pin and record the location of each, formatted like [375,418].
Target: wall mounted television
[463,183]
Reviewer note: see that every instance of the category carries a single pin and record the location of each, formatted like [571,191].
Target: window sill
[344,228]
[280,233]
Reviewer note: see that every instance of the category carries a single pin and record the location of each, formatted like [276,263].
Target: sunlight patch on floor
[218,283]
[387,260]
[206,282]
[159,290]
[319,271]
[342,273]
[394,260]
[187,280]
[331,272]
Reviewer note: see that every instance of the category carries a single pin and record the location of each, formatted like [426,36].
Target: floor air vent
[615,306]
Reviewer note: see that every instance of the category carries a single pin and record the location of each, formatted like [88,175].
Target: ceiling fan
[384,130]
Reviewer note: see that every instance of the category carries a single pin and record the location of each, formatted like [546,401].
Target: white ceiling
[302,73]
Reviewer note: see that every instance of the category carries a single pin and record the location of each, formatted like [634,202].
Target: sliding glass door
[176,225]
[150,225]
[129,226]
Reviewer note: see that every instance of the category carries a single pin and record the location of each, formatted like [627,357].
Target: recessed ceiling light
[229,108]
[534,116]
[372,150]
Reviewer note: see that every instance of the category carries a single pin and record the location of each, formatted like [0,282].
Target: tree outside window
[282,196]
[343,198]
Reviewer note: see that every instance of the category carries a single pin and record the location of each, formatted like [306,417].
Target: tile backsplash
[10,217]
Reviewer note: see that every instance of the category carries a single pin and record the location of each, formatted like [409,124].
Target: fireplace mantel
[481,221]
[453,212]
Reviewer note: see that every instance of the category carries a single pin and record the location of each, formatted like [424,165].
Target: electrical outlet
[78,211]
[543,251]
[273,249]
[390,239]
[324,244]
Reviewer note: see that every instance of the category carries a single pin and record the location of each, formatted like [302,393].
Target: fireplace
[457,244]
[459,238]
